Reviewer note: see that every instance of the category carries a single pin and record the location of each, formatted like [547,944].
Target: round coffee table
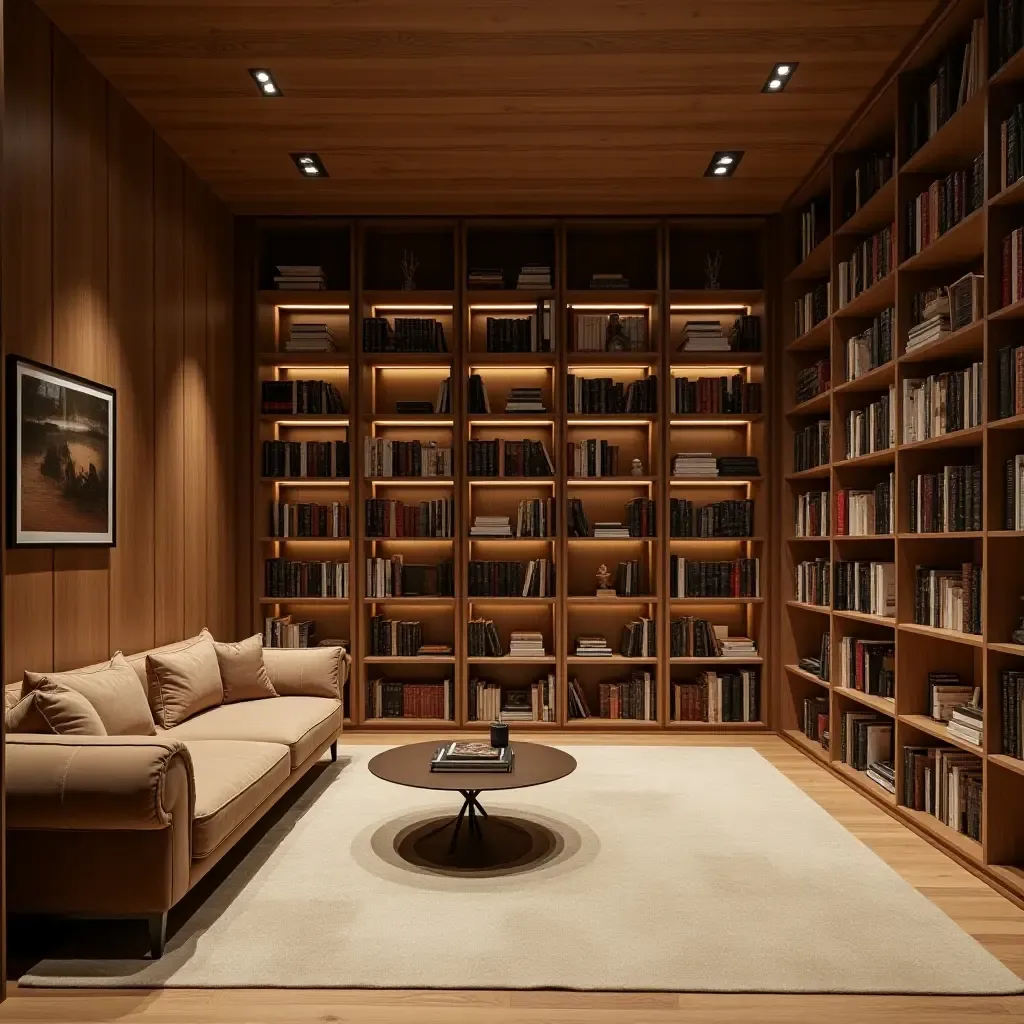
[409,765]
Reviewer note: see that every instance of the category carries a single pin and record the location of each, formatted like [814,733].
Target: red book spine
[1005,290]
[859,678]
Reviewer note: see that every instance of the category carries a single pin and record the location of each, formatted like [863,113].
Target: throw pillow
[183,683]
[242,671]
[111,688]
[305,672]
[52,708]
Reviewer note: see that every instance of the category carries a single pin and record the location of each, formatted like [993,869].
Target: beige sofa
[125,825]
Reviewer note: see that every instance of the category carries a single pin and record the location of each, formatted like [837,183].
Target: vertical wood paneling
[197,419]
[132,596]
[27,308]
[81,327]
[169,396]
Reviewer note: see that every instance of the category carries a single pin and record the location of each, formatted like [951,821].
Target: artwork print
[61,432]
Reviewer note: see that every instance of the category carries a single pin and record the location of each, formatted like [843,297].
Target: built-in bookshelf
[932,517]
[512,424]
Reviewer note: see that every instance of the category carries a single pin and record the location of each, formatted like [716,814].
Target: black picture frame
[66,498]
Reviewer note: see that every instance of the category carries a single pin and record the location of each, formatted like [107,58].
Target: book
[738,577]
[872,347]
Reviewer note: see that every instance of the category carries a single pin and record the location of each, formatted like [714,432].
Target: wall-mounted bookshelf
[936,497]
[563,364]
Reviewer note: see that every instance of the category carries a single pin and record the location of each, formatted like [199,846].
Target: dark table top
[409,765]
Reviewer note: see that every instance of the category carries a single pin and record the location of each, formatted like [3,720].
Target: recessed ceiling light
[724,163]
[780,76]
[310,165]
[265,82]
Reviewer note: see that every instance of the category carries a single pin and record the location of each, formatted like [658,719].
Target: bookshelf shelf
[876,620]
[814,473]
[811,747]
[615,659]
[874,380]
[612,298]
[1007,423]
[439,602]
[594,722]
[882,458]
[593,599]
[968,639]
[955,439]
[1017,650]
[1013,764]
[818,609]
[928,823]
[819,403]
[960,139]
[1012,195]
[802,673]
[948,535]
[853,538]
[713,600]
[1014,311]
[714,540]
[961,244]
[387,659]
[305,600]
[876,213]
[870,301]
[969,339]
[509,660]
[884,705]
[303,299]
[713,299]
[305,540]
[715,726]
[815,265]
[303,360]
[938,729]
[861,780]
[816,337]
[689,360]
[305,481]
[716,661]
[285,419]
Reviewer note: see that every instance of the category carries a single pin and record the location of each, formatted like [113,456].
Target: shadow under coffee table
[409,765]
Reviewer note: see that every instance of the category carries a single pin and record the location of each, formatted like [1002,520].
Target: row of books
[814,225]
[1012,280]
[699,465]
[1011,692]
[811,514]
[300,397]
[639,638]
[693,637]
[388,518]
[811,308]
[738,577]
[710,335]
[942,403]
[811,446]
[866,513]
[949,501]
[813,581]
[819,664]
[405,334]
[521,333]
[948,598]
[872,347]
[391,577]
[535,578]
[1011,147]
[730,518]
[393,698]
[866,587]
[868,666]
[310,519]
[1014,498]
[285,631]
[383,457]
[871,259]
[715,395]
[873,428]
[605,395]
[1010,363]
[535,517]
[293,459]
[609,332]
[866,739]
[872,172]
[501,458]
[814,719]
[641,520]
[592,458]
[634,698]
[493,702]
[946,783]
[631,578]
[286,578]
[483,639]
[718,697]
[813,380]
[945,203]
[395,637]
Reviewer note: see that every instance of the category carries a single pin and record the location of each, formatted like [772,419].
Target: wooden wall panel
[27,307]
[132,591]
[118,266]
[81,328]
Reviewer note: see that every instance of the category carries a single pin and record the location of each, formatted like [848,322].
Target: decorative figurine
[615,339]
[604,578]
[409,267]
[712,268]
[638,468]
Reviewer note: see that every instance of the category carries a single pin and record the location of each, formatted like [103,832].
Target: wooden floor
[992,920]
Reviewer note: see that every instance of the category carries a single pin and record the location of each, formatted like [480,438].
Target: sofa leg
[157,934]
[334,751]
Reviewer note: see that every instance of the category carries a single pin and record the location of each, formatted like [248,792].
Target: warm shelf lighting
[609,305]
[310,307]
[519,481]
[430,307]
[532,306]
[590,422]
[699,307]
[680,422]
[411,481]
[413,423]
[484,419]
[311,423]
[406,368]
[688,369]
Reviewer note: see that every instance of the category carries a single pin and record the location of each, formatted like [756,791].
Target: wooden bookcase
[664,261]
[973,245]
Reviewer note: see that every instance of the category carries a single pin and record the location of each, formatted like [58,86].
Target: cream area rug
[689,869]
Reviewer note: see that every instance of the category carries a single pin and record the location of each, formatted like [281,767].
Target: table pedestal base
[471,813]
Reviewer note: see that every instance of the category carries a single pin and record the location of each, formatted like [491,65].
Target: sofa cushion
[138,661]
[242,672]
[301,723]
[305,672]
[232,779]
[55,710]
[183,683]
[112,688]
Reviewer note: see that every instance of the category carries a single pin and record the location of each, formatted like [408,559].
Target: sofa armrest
[98,782]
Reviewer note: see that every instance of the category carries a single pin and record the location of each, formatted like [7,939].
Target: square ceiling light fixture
[310,165]
[780,76]
[724,163]
[265,82]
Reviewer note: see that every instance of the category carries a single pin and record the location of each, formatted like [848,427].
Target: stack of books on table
[534,276]
[310,338]
[694,464]
[526,644]
[737,465]
[472,757]
[524,400]
[704,336]
[737,647]
[300,278]
[491,526]
[592,647]
[884,773]
[486,277]
[967,723]
[934,323]
[610,530]
[609,281]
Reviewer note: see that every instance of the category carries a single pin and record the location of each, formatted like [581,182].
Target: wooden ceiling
[494,106]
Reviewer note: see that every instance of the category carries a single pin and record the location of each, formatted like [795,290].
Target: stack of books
[609,281]
[311,337]
[884,773]
[967,723]
[934,324]
[694,464]
[472,757]
[526,644]
[300,278]
[737,465]
[486,277]
[737,647]
[704,336]
[525,400]
[535,276]
[490,526]
[945,692]
[966,302]
[610,530]
[434,651]
[592,647]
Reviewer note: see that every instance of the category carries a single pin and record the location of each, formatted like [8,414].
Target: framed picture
[61,463]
